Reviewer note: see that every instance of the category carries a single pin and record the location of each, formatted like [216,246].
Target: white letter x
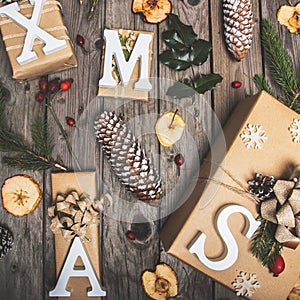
[52,44]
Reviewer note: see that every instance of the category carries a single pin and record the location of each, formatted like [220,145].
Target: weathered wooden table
[28,272]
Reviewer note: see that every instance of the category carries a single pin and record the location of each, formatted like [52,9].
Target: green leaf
[200,51]
[176,60]
[205,83]
[173,40]
[181,90]
[186,32]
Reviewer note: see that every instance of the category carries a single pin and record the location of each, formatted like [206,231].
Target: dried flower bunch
[289,16]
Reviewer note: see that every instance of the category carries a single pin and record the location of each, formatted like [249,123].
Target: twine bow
[284,209]
[73,215]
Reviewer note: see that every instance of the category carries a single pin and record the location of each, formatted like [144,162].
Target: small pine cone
[9,1]
[238,26]
[262,186]
[127,158]
[6,241]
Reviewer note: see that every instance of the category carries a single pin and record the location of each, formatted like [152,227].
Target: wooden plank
[125,260]
[21,270]
[225,97]
[193,146]
[75,103]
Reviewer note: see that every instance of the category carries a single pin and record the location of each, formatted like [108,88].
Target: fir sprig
[281,66]
[262,84]
[264,245]
[35,156]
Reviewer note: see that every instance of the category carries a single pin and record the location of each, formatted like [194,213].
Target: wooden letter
[231,245]
[76,250]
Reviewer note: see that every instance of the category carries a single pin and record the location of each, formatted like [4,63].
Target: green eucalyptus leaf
[181,90]
[206,83]
[200,51]
[186,32]
[176,60]
[173,40]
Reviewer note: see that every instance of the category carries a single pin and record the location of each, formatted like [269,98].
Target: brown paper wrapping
[198,214]
[81,182]
[127,92]
[13,36]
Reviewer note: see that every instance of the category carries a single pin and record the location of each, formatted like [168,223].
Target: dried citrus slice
[160,284]
[154,11]
[20,195]
[169,128]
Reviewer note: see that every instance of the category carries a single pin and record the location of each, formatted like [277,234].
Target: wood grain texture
[28,272]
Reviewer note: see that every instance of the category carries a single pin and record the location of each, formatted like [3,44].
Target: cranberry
[70,121]
[40,97]
[236,84]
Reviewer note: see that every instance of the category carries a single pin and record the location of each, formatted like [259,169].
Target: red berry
[66,84]
[236,84]
[53,86]
[40,97]
[70,121]
[80,40]
[43,84]
[130,235]
[179,160]
[278,265]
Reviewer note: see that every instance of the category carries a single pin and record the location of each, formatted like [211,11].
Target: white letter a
[68,271]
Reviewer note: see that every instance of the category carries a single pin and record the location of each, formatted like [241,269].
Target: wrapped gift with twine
[74,216]
[35,38]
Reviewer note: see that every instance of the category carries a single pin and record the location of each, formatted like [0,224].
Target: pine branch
[27,157]
[264,245]
[280,64]
[262,84]
[42,139]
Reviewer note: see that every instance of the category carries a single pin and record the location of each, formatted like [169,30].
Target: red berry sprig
[48,91]
[80,41]
[71,122]
[236,84]
[66,84]
[179,161]
[278,265]
[130,235]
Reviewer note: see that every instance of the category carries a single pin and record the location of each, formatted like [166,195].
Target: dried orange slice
[20,195]
[160,284]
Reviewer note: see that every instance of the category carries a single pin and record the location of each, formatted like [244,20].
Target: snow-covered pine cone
[9,1]
[6,241]
[238,26]
[127,158]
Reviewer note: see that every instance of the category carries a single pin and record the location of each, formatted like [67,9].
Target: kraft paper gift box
[200,213]
[13,36]
[82,182]
[127,92]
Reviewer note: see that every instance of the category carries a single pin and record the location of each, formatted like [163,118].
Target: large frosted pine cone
[127,158]
[238,26]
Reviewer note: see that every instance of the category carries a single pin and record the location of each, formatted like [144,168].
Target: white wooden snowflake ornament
[295,130]
[245,284]
[254,136]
